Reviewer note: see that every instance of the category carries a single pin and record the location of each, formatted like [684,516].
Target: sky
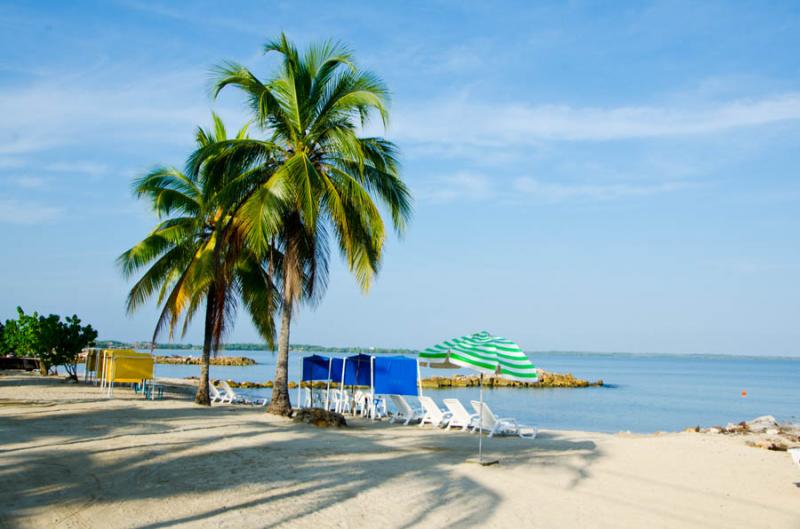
[603,176]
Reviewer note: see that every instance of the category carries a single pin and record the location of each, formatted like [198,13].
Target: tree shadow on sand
[52,463]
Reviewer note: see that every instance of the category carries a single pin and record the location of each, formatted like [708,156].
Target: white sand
[71,458]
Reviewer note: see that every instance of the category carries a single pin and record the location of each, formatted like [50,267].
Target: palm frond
[259,295]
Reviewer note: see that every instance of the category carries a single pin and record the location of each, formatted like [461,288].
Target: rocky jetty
[320,418]
[268,384]
[254,385]
[546,380]
[195,360]
[763,432]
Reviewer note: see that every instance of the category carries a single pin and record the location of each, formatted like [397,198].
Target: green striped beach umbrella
[486,354]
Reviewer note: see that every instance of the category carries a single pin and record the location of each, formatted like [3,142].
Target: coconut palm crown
[196,253]
[325,178]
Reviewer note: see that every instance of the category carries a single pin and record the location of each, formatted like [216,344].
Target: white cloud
[78,166]
[28,182]
[7,162]
[557,192]
[23,212]
[105,108]
[188,15]
[473,187]
[459,186]
[465,121]
[25,142]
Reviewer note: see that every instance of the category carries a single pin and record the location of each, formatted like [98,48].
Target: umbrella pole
[480,424]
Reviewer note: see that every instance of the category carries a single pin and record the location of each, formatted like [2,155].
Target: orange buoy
[744,393]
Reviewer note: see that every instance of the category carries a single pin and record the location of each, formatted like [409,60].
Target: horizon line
[787,356]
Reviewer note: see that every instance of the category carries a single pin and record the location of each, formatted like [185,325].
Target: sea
[641,392]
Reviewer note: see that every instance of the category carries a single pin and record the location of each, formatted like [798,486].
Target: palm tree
[326,176]
[196,253]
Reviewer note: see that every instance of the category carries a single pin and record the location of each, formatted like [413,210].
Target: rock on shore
[320,418]
[768,433]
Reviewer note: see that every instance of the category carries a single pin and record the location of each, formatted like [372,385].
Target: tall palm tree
[326,176]
[196,254]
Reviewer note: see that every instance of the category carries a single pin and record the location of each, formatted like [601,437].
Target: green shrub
[21,336]
[53,341]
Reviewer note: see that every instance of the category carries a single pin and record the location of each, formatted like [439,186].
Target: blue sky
[587,176]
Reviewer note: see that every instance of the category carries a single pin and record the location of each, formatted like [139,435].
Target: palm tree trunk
[281,404]
[205,360]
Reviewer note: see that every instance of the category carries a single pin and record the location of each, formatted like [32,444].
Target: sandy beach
[74,459]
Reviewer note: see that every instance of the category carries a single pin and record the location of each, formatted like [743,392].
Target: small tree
[52,341]
[48,331]
[61,341]
[21,337]
[71,337]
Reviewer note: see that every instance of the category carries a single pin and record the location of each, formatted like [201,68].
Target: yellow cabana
[91,365]
[124,366]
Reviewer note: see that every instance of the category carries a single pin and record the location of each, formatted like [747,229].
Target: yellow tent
[90,366]
[126,366]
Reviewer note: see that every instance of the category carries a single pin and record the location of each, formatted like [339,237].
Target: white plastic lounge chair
[368,405]
[377,406]
[333,399]
[499,425]
[460,417]
[433,413]
[795,453]
[341,401]
[216,395]
[361,403]
[317,399]
[308,398]
[404,411]
[235,398]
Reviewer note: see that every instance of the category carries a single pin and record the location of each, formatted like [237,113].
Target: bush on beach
[53,341]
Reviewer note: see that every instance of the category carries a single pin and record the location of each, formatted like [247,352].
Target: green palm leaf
[317,175]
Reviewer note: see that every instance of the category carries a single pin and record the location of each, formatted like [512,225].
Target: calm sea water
[644,393]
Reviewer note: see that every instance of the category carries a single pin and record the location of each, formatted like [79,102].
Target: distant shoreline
[295,348]
[674,355]
[309,348]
